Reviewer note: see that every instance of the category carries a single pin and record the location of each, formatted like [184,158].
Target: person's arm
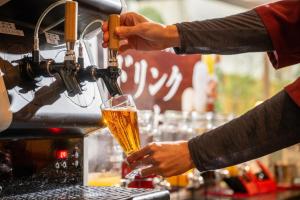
[239,33]
[269,127]
[234,34]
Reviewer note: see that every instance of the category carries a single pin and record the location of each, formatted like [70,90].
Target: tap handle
[113,22]
[109,76]
[71,13]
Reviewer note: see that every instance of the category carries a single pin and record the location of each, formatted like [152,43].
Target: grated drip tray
[93,193]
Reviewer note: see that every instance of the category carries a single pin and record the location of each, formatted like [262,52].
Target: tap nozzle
[112,58]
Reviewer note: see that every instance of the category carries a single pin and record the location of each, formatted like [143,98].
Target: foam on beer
[125,108]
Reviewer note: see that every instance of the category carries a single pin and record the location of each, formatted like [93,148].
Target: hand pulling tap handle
[110,79]
[113,44]
[71,13]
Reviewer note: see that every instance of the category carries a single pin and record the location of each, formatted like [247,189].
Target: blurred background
[247,78]
[180,97]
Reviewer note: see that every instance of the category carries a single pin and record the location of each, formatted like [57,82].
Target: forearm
[239,33]
[269,127]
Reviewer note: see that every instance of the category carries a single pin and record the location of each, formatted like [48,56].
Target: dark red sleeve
[282,20]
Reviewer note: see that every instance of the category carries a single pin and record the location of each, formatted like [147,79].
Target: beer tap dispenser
[71,12]
[71,67]
[72,72]
[113,47]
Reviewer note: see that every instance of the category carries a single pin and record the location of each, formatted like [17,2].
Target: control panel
[33,165]
[67,159]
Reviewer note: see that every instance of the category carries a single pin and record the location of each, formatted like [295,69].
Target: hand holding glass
[120,116]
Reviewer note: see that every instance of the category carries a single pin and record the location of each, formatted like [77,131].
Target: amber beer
[123,124]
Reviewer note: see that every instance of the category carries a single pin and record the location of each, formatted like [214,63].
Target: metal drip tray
[93,193]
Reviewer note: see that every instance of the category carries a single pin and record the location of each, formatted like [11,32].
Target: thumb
[126,31]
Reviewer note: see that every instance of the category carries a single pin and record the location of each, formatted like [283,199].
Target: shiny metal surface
[94,193]
[44,101]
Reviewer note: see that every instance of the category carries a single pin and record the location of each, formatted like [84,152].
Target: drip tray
[93,193]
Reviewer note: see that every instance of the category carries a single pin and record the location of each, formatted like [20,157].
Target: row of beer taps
[72,71]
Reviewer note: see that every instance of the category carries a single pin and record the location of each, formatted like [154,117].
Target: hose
[36,45]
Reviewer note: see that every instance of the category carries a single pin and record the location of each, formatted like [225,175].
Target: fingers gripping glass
[120,116]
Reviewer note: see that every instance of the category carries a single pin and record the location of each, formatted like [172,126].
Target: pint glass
[120,116]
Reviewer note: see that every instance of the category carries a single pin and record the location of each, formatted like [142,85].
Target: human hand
[164,158]
[138,32]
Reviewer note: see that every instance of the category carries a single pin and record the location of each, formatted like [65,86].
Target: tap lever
[113,22]
[71,21]
[113,44]
[110,77]
[68,73]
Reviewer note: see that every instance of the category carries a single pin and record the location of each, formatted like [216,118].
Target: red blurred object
[61,154]
[268,184]
[249,181]
[125,169]
[139,182]
[253,184]
[55,130]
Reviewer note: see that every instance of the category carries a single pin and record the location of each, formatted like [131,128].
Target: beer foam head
[125,108]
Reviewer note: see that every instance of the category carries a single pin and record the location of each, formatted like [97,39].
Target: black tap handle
[68,77]
[112,86]
[110,77]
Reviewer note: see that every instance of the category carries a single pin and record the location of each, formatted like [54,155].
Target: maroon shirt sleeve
[282,20]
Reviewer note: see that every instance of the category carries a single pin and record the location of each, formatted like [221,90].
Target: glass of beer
[120,116]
